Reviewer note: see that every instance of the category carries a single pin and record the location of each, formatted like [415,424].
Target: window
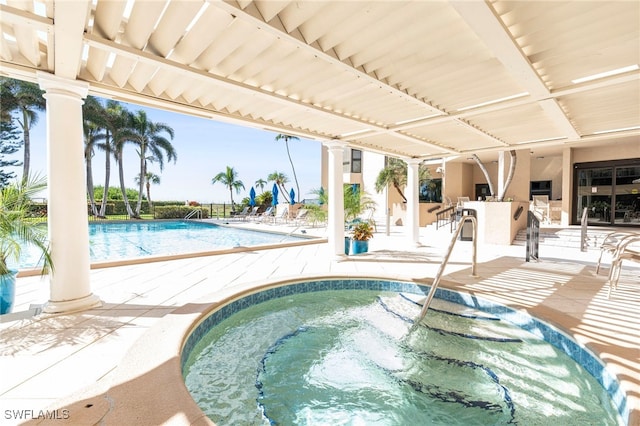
[430,191]
[356,161]
[540,187]
[482,191]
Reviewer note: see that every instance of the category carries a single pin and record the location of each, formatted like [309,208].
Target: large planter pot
[358,247]
[7,291]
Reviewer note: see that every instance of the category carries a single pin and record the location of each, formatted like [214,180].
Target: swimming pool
[365,355]
[124,240]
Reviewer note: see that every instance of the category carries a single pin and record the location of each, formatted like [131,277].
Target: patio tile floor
[48,357]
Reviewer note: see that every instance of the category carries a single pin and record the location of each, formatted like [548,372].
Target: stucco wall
[548,168]
[609,150]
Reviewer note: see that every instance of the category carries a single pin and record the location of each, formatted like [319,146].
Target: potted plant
[360,236]
[18,230]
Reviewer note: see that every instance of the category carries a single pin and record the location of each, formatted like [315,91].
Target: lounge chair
[252,213]
[242,215]
[267,213]
[301,217]
[283,216]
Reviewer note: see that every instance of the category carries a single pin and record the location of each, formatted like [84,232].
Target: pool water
[123,240]
[356,358]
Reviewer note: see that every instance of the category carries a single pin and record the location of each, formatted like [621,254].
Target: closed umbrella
[252,197]
[274,193]
[292,195]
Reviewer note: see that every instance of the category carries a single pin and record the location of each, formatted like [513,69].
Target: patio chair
[267,213]
[283,216]
[541,208]
[611,243]
[252,213]
[242,214]
[628,249]
[301,217]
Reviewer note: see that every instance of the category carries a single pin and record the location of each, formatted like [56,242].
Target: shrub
[177,212]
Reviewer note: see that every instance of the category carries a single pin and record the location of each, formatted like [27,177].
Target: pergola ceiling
[421,79]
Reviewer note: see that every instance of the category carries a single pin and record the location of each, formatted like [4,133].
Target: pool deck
[102,366]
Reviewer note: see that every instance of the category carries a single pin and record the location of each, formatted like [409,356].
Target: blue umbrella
[274,193]
[252,197]
[292,195]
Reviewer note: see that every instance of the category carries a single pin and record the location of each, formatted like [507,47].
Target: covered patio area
[105,364]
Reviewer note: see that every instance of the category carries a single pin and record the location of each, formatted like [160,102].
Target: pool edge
[153,363]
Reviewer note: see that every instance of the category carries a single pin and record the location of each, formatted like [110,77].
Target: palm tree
[152,146]
[149,178]
[114,121]
[280,179]
[260,183]
[120,138]
[27,99]
[90,132]
[229,178]
[10,143]
[395,173]
[288,138]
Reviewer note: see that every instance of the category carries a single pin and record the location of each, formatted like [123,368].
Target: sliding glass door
[610,191]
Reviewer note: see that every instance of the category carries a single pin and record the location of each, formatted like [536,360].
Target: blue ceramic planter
[7,291]
[358,247]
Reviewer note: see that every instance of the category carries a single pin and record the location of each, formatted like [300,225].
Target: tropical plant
[317,213]
[323,197]
[16,228]
[25,98]
[280,179]
[260,183]
[394,173]
[286,139]
[264,198]
[229,178]
[363,231]
[149,178]
[152,146]
[114,121]
[10,143]
[113,193]
[356,202]
[91,129]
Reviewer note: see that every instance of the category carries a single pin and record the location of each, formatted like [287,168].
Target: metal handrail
[192,213]
[452,243]
[440,216]
[584,239]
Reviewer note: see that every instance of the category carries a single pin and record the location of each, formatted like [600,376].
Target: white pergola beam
[483,21]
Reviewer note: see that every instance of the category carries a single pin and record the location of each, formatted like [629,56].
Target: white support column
[335,225]
[502,174]
[70,289]
[413,205]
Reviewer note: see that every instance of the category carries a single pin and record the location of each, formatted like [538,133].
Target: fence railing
[118,211]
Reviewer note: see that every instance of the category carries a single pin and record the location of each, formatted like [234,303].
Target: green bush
[177,212]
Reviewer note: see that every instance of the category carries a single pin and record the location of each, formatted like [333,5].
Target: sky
[204,148]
